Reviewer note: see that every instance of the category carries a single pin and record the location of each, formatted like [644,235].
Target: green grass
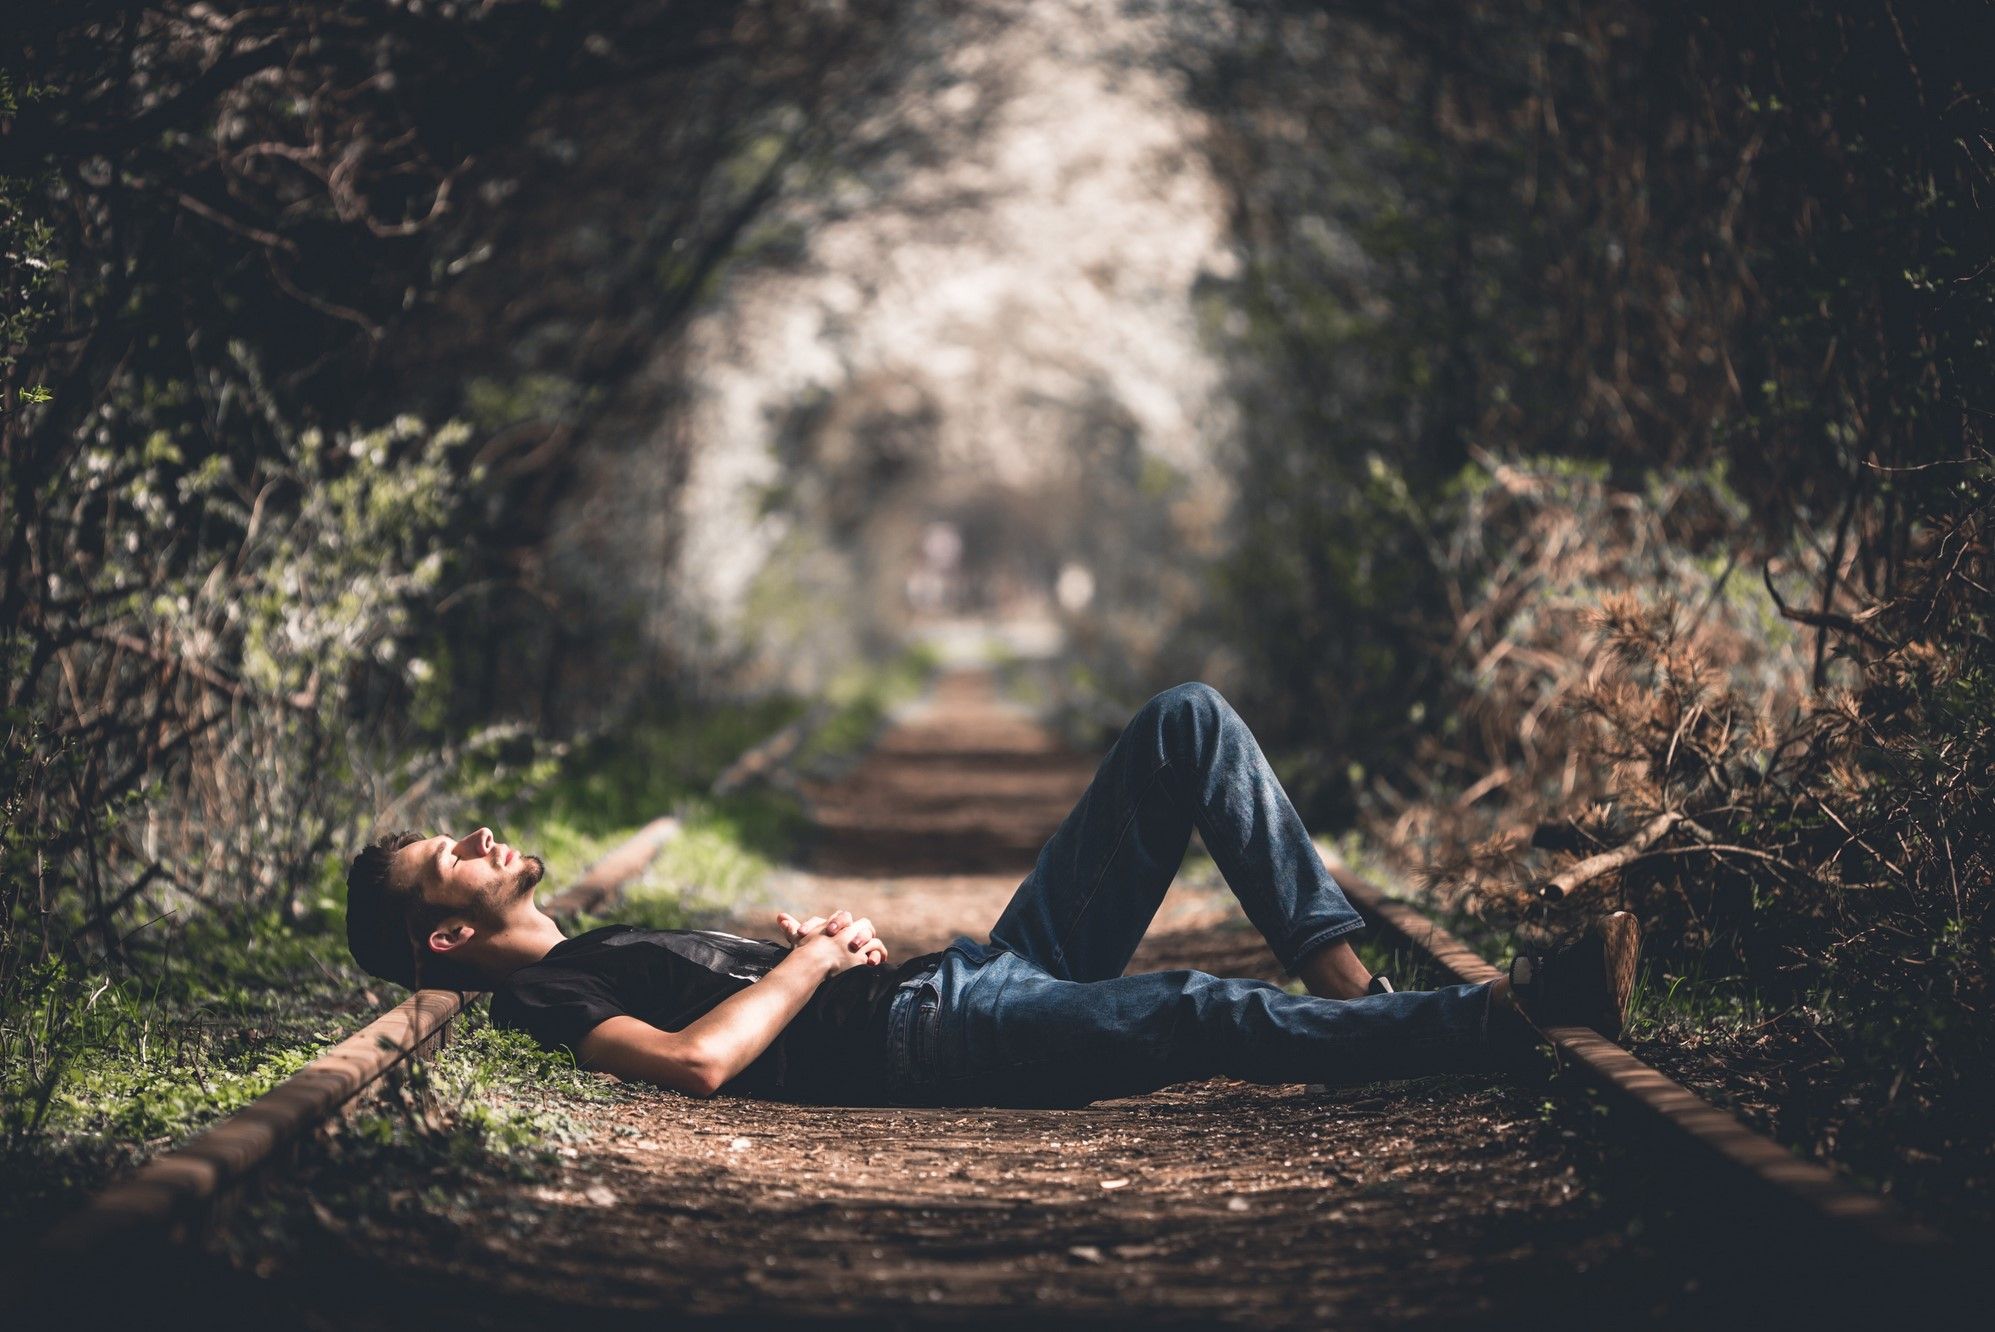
[102,1068]
[1670,1003]
[487,1095]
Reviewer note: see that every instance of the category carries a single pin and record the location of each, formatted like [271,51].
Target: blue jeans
[1043,1014]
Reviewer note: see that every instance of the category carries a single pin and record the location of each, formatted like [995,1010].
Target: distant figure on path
[1041,1015]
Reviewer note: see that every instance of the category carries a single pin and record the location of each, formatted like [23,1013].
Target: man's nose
[477,844]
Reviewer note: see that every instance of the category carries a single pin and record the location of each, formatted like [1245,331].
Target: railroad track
[1806,1207]
[1778,1184]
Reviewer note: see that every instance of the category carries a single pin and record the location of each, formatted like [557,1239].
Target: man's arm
[704,1056]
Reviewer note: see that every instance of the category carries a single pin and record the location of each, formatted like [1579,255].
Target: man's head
[423,910]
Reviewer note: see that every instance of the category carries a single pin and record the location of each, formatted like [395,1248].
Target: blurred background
[1559,426]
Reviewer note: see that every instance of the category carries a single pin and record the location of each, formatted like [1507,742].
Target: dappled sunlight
[745,451]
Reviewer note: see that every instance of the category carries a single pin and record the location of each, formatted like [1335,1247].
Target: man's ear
[450,934]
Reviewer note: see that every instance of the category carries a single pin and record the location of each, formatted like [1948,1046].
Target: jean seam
[1066,933]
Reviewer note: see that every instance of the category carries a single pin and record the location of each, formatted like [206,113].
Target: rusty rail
[1799,1190]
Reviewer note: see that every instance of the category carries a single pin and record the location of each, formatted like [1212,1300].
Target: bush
[1815,860]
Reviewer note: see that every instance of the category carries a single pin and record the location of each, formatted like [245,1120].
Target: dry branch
[1583,872]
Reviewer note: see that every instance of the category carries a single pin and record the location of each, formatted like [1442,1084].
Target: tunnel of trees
[1595,457]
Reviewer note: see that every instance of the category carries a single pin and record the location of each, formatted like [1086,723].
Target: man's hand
[853,939]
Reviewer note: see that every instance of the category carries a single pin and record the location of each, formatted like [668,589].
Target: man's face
[477,875]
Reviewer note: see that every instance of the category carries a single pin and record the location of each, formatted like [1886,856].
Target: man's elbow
[701,1083]
[664,1059]
[699,1073]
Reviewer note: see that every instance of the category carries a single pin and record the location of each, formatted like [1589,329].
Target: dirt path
[1284,1206]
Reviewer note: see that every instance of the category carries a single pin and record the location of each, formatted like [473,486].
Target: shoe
[1587,984]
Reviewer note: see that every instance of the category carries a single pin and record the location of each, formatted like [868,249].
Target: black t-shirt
[834,1051]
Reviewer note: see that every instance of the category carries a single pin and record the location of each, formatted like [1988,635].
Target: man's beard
[532,870]
[493,904]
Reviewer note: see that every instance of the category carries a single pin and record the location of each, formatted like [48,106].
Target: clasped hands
[845,941]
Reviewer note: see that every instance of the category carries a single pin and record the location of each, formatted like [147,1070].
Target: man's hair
[388,923]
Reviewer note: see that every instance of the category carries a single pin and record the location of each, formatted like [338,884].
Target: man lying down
[1041,1015]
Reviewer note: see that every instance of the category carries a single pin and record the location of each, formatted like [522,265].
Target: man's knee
[1194,698]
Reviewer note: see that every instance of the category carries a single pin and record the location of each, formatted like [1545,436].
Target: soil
[1464,1200]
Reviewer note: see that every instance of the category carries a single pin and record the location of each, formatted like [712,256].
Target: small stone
[1115,1183]
[740,1145]
[1087,1253]
[1238,1205]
